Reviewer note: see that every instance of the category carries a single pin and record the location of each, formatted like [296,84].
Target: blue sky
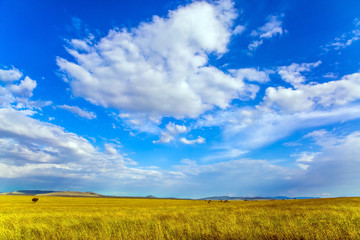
[181,98]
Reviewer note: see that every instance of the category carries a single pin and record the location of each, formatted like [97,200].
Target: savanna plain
[118,218]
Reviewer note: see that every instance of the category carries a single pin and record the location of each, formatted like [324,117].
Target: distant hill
[150,196]
[71,194]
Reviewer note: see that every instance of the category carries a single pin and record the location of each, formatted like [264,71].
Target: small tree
[34,200]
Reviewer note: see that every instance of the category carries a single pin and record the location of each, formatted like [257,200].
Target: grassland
[111,218]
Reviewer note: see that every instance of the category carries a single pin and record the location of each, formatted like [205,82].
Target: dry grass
[107,218]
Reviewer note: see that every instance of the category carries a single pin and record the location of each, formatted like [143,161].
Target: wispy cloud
[199,140]
[78,111]
[286,110]
[170,132]
[272,27]
[31,148]
[332,169]
[346,39]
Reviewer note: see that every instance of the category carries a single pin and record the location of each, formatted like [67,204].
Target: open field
[115,218]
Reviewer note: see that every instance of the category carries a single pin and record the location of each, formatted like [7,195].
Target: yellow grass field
[114,218]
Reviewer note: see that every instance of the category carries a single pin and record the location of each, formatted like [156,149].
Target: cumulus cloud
[24,89]
[272,27]
[9,75]
[6,97]
[199,140]
[161,67]
[292,74]
[313,96]
[78,111]
[18,94]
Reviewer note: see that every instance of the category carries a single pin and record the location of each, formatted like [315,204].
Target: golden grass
[111,218]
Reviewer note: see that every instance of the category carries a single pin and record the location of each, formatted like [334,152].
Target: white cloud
[18,95]
[286,110]
[19,126]
[271,28]
[24,89]
[239,29]
[32,149]
[335,168]
[161,67]
[304,158]
[222,153]
[251,74]
[10,75]
[313,96]
[199,140]
[76,110]
[346,39]
[172,130]
[140,122]
[287,99]
[255,44]
[292,74]
[330,75]
[6,97]
[249,128]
